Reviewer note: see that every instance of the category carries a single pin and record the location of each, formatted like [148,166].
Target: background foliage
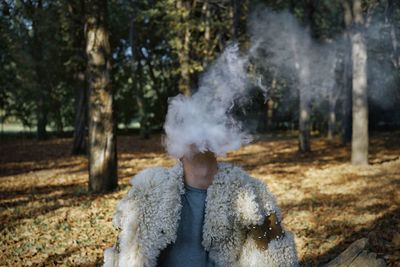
[158,48]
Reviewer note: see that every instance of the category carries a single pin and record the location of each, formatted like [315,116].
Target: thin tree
[81,105]
[304,83]
[333,96]
[137,64]
[35,10]
[184,53]
[359,142]
[391,8]
[102,136]
[346,124]
[237,12]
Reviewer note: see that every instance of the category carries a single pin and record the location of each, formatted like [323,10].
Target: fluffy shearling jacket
[148,218]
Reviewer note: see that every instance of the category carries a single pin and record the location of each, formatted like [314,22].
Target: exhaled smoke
[284,49]
[205,119]
[304,64]
[314,69]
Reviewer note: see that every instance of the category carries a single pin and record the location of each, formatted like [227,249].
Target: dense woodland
[99,66]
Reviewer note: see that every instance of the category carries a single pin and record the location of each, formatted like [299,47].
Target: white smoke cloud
[205,118]
[281,45]
[308,65]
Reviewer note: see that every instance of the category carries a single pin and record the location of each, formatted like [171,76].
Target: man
[199,213]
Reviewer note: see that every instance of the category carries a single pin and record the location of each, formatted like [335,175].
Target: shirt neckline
[191,188]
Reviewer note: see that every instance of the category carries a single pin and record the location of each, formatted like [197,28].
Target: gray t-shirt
[187,249]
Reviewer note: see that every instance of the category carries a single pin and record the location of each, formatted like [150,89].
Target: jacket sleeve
[127,251]
[125,220]
[266,242]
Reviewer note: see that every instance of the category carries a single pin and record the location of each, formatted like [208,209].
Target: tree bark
[102,136]
[359,142]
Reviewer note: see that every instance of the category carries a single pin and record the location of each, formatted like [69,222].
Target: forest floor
[48,218]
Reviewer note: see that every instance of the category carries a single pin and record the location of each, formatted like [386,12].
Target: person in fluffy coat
[201,213]
[236,223]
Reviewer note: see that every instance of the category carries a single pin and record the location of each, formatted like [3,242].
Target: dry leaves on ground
[48,218]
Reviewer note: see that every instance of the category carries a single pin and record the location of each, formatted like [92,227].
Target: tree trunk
[332,115]
[207,33]
[390,17]
[137,73]
[304,107]
[395,46]
[303,68]
[183,52]
[304,83]
[347,96]
[236,4]
[391,7]
[102,136]
[304,125]
[270,115]
[79,139]
[58,119]
[359,142]
[333,97]
[346,125]
[41,110]
[81,105]
[184,83]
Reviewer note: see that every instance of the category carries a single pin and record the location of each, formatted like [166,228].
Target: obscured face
[195,155]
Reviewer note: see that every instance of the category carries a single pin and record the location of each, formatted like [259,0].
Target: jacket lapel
[162,208]
[226,209]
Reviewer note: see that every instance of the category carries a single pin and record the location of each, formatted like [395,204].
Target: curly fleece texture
[148,218]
